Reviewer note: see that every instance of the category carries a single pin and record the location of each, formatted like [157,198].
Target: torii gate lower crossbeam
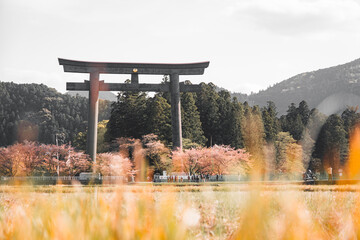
[95,85]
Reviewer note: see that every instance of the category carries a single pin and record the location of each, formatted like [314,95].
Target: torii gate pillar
[91,145]
[175,111]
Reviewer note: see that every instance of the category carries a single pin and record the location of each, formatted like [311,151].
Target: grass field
[225,211]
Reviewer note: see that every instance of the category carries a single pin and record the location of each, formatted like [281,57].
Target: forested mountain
[104,95]
[37,112]
[313,87]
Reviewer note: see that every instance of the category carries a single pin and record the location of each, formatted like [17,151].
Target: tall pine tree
[331,145]
[190,118]
[271,123]
[206,103]
[129,116]
[236,118]
[159,113]
[224,118]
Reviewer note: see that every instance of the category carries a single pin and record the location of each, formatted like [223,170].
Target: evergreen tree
[271,123]
[296,120]
[304,112]
[296,128]
[159,113]
[331,145]
[208,108]
[350,117]
[128,116]
[236,118]
[190,117]
[224,135]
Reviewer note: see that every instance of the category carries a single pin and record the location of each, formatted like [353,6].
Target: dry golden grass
[186,212]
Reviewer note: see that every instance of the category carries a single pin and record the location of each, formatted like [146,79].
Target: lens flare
[354,153]
[27,131]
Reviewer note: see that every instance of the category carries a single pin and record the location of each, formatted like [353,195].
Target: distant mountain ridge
[313,87]
[109,96]
[338,83]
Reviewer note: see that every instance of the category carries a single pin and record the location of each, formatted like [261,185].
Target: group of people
[309,176]
[194,178]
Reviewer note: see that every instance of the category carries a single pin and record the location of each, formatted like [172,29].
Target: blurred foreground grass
[173,212]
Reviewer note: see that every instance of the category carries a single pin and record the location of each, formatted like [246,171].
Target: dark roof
[133,65]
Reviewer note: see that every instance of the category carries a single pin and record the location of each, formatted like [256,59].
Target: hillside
[37,112]
[109,96]
[342,82]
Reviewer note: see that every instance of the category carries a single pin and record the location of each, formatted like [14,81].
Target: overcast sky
[251,44]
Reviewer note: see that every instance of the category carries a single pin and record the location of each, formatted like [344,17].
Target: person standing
[340,173]
[330,174]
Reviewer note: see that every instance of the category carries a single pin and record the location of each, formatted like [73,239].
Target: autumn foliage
[30,158]
[140,158]
[215,160]
[113,164]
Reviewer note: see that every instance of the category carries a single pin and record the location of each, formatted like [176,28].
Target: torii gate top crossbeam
[129,68]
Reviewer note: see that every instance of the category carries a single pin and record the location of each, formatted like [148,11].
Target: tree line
[212,117]
[302,138]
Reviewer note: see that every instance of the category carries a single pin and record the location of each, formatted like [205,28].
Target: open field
[213,211]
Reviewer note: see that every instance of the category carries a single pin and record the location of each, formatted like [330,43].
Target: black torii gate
[95,85]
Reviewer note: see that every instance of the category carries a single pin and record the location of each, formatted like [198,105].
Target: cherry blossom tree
[19,159]
[156,153]
[110,164]
[30,158]
[215,160]
[76,162]
[188,161]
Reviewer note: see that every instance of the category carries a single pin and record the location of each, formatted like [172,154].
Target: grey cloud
[294,23]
